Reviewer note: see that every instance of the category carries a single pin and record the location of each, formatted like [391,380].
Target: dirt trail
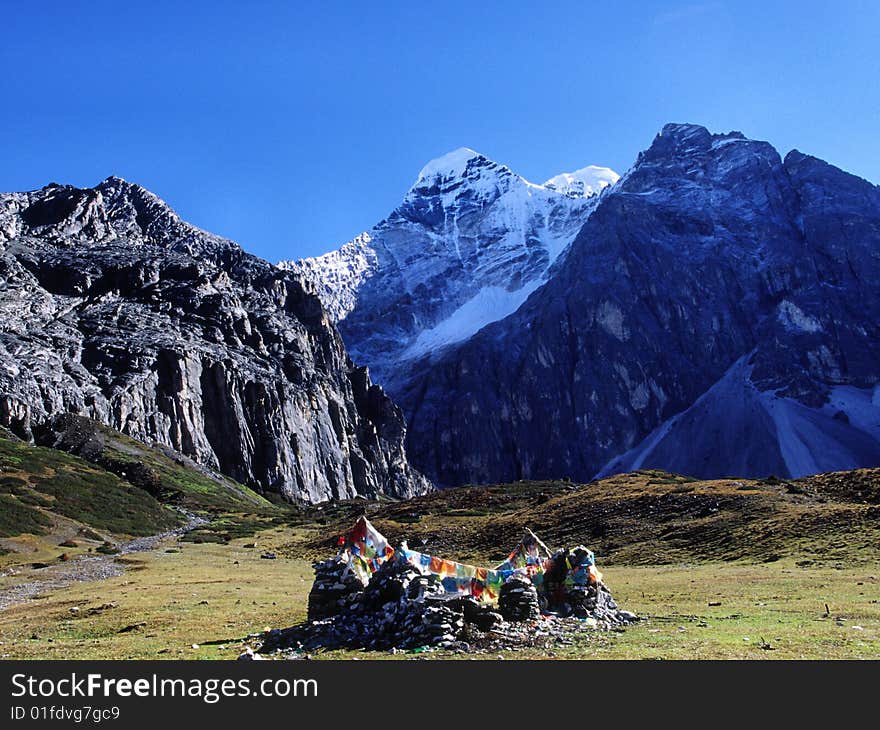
[89,567]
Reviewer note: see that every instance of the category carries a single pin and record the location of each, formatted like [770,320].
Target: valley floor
[186,600]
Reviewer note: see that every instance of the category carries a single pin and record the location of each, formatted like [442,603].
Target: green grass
[724,569]
[105,502]
[12,485]
[225,528]
[34,499]
[215,595]
[180,484]
[122,487]
[206,594]
[36,482]
[16,518]
[632,519]
[168,476]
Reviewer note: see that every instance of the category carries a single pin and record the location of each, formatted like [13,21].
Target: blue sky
[291,127]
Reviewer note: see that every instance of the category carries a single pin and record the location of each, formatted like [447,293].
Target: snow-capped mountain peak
[452,164]
[463,172]
[586,182]
[468,244]
[448,171]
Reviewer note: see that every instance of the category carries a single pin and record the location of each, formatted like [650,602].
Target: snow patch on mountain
[833,438]
[734,430]
[792,317]
[452,164]
[860,405]
[586,182]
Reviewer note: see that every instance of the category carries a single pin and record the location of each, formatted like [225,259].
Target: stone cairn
[518,599]
[581,600]
[403,608]
[334,582]
[399,608]
[592,601]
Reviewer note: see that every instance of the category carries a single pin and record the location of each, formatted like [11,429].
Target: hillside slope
[42,487]
[91,486]
[646,517]
[748,569]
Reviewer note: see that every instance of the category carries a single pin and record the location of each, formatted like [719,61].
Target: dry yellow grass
[211,595]
[215,595]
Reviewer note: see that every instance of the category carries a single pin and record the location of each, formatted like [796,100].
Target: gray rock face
[712,268]
[338,276]
[114,308]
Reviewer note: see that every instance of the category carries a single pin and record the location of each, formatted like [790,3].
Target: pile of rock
[584,598]
[334,582]
[481,616]
[400,608]
[518,599]
[404,608]
[592,600]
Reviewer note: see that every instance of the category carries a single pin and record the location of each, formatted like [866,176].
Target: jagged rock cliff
[114,308]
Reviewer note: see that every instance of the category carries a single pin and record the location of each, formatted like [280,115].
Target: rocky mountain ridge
[715,314]
[114,308]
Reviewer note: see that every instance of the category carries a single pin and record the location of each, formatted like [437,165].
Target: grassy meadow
[213,595]
[722,569]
